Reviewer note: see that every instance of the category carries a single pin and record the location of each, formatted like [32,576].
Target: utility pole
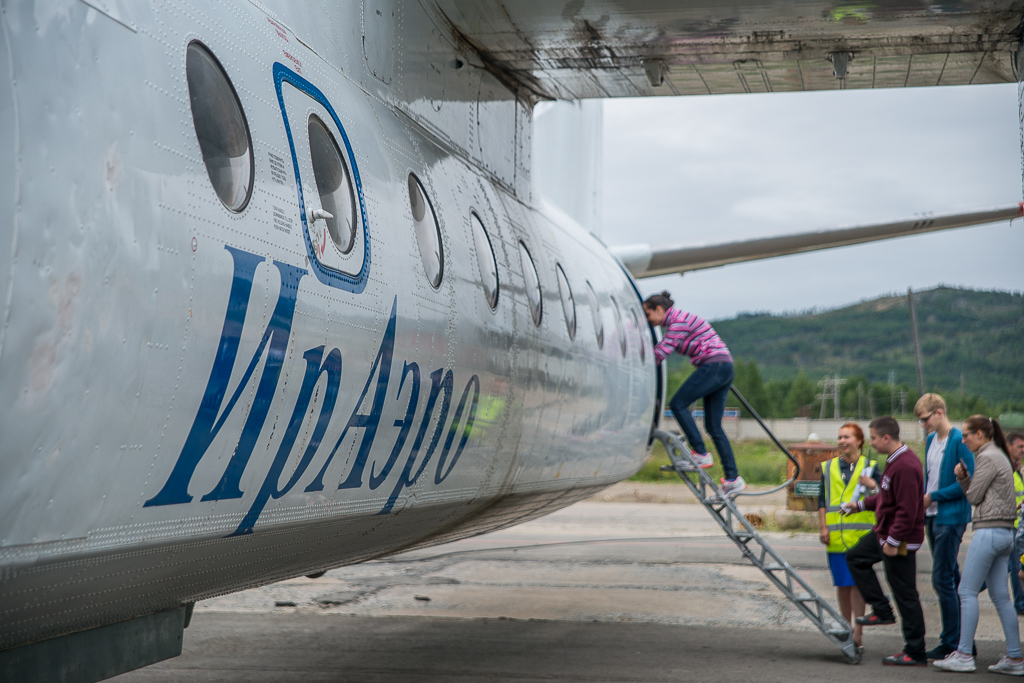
[903,402]
[892,392]
[826,386]
[830,391]
[836,383]
[860,400]
[917,343]
[871,405]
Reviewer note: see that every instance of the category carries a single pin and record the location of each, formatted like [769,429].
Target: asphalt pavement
[601,591]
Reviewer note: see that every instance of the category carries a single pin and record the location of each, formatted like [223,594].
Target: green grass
[760,462]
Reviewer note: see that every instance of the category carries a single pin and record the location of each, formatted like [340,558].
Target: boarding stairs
[752,545]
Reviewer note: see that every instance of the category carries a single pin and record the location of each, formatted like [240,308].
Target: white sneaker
[696,463]
[731,488]
[702,460]
[727,489]
[1008,666]
[956,661]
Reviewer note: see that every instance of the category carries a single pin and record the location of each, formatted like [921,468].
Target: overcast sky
[699,170]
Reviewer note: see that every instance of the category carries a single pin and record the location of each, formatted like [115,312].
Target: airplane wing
[642,260]
[630,48]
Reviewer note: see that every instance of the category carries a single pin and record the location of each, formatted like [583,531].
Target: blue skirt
[840,572]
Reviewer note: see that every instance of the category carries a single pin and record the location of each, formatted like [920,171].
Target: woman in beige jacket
[990,491]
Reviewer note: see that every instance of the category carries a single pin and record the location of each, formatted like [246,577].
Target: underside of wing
[572,49]
[644,261]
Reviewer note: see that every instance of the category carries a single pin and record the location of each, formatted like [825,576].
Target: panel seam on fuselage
[17,182]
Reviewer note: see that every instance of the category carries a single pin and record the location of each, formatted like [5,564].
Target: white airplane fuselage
[203,392]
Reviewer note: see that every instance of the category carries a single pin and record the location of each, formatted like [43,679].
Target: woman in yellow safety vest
[1015,440]
[840,478]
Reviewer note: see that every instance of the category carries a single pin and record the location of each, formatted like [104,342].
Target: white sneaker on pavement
[956,661]
[1010,667]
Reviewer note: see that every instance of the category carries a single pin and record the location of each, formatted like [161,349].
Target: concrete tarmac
[601,591]
[297,648]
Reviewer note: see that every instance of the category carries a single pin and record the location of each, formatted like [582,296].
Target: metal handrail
[750,409]
[756,549]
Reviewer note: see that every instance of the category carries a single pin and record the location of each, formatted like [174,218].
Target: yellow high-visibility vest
[845,531]
[1018,488]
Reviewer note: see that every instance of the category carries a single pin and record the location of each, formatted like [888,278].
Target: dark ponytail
[991,429]
[999,438]
[663,300]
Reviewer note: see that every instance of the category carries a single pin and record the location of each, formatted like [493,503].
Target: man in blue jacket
[947,513]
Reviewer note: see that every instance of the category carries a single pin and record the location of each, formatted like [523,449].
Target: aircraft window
[485,259]
[618,327]
[568,304]
[595,314]
[334,183]
[220,126]
[532,283]
[639,335]
[427,232]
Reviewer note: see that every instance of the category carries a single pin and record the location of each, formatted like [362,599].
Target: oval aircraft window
[568,304]
[595,314]
[220,126]
[427,233]
[532,281]
[485,259]
[639,335]
[334,184]
[618,327]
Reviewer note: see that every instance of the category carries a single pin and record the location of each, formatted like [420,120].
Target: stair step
[822,616]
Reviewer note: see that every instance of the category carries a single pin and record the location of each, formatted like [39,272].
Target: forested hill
[967,336]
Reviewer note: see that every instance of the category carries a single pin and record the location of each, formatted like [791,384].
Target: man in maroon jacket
[895,540]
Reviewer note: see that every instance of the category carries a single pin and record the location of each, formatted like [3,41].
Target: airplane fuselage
[205,384]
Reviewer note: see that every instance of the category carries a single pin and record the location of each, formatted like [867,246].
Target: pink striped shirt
[691,336]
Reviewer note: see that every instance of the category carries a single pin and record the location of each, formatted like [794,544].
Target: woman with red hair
[842,480]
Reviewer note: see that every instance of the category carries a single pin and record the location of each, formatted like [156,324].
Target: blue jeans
[986,563]
[1014,566]
[711,382]
[944,540]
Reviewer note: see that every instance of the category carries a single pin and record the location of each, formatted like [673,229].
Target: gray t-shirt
[934,460]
